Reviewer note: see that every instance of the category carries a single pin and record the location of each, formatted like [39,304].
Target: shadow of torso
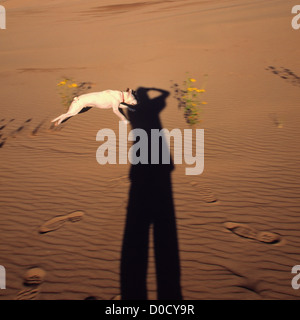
[150,202]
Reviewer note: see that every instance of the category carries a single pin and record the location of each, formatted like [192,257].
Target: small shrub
[68,89]
[190,100]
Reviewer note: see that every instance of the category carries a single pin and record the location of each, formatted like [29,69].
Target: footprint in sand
[245,231]
[28,294]
[2,143]
[204,193]
[57,222]
[91,298]
[123,181]
[33,278]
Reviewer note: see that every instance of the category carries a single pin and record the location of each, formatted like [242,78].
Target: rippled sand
[237,223]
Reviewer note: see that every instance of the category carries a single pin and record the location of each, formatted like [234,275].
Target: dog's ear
[127,89]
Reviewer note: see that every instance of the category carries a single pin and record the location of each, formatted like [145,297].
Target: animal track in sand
[15,132]
[37,129]
[40,129]
[33,278]
[285,74]
[5,134]
[4,137]
[246,231]
[57,222]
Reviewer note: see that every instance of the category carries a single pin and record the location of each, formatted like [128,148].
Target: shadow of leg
[135,249]
[166,244]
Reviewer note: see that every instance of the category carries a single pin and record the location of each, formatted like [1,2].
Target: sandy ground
[249,190]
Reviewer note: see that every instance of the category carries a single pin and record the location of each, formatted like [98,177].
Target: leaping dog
[104,100]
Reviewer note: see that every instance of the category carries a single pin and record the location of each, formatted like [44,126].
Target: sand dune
[250,185]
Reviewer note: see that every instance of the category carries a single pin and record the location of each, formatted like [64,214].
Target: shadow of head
[145,114]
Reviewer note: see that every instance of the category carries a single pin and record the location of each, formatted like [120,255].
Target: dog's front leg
[119,114]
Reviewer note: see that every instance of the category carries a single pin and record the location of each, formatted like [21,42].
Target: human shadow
[150,203]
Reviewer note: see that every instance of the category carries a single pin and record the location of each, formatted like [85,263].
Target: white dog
[104,100]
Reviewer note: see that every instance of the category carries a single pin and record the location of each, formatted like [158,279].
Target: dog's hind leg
[61,118]
[74,109]
[54,120]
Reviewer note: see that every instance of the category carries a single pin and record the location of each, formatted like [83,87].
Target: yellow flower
[193,80]
[200,90]
[203,102]
[190,89]
[61,83]
[194,104]
[73,85]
